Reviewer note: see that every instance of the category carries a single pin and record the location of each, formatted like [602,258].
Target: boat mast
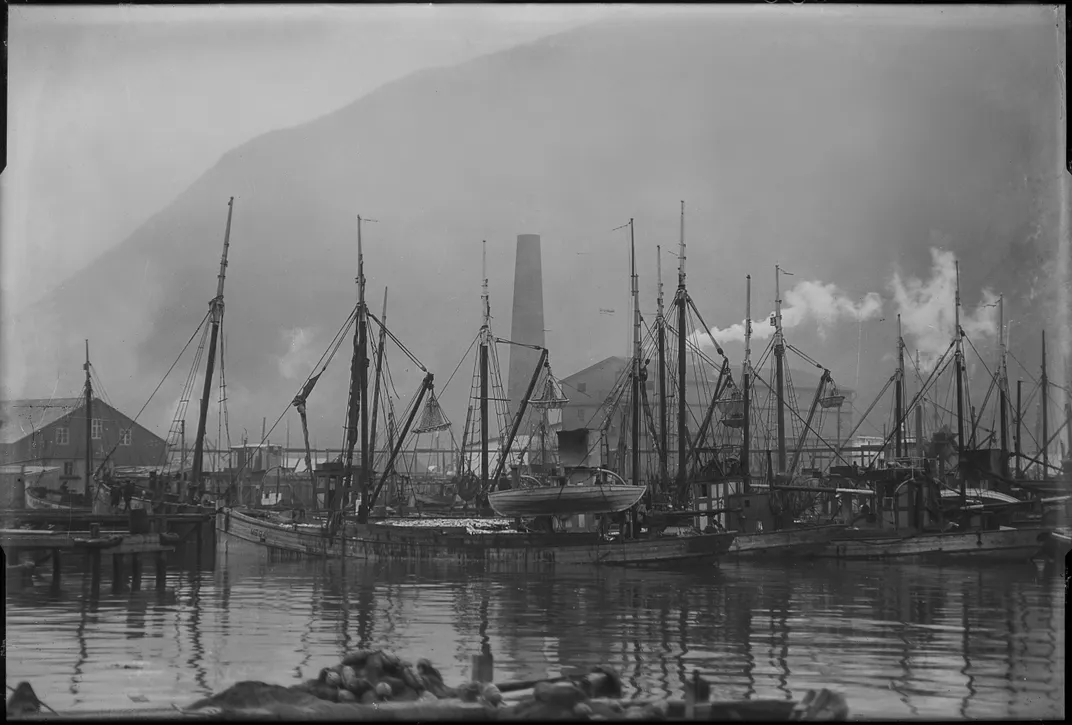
[958,361]
[779,372]
[1045,413]
[898,393]
[485,339]
[661,342]
[635,445]
[1003,390]
[89,423]
[682,301]
[379,372]
[216,307]
[1019,420]
[746,373]
[362,326]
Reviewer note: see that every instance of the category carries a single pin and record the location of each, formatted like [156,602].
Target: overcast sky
[113,111]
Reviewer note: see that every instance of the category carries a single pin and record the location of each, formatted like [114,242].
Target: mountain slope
[840,150]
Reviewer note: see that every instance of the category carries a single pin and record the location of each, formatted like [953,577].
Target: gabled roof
[618,363]
[20,418]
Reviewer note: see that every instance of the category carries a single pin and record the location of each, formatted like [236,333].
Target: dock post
[55,570]
[117,573]
[200,543]
[161,571]
[135,572]
[483,668]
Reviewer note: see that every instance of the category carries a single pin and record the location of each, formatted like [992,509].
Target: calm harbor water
[900,641]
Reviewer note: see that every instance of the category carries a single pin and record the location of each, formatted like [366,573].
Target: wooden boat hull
[43,504]
[382,541]
[993,545]
[565,500]
[790,543]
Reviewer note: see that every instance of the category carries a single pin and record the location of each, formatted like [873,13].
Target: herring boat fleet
[584,517]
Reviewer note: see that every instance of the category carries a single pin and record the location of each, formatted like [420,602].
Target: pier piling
[135,572]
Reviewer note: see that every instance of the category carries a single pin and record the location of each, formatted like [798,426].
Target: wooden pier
[126,538]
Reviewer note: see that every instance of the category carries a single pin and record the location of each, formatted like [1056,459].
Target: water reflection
[900,641]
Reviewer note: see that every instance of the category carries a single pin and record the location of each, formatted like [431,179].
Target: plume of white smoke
[300,357]
[927,309]
[818,302]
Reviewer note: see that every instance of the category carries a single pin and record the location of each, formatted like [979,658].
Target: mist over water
[898,641]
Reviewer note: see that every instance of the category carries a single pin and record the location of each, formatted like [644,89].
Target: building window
[582,387]
[63,436]
[124,437]
[96,428]
[68,468]
[580,415]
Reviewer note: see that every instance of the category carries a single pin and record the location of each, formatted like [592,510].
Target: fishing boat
[480,538]
[40,498]
[919,510]
[714,486]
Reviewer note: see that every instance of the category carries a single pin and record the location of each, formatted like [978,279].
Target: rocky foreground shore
[376,685]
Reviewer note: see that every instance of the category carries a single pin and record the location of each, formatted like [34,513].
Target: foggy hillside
[842,150]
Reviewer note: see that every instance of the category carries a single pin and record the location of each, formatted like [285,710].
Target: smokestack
[527,320]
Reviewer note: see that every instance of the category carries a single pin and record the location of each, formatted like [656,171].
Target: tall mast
[661,342]
[216,307]
[1045,413]
[379,372]
[485,339]
[635,447]
[959,362]
[89,423]
[1003,390]
[682,302]
[779,372]
[746,374]
[1019,420]
[919,411]
[898,393]
[362,323]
